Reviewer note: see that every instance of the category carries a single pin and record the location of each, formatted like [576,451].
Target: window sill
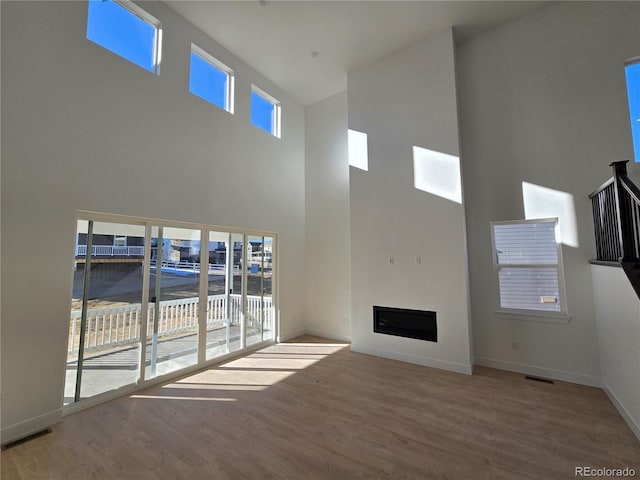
[533,316]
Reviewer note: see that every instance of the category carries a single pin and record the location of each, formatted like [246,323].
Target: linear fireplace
[420,324]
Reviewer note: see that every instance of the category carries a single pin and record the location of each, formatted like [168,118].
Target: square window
[126,30]
[211,79]
[265,111]
[632,72]
[528,263]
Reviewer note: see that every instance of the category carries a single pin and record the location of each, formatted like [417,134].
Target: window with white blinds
[528,264]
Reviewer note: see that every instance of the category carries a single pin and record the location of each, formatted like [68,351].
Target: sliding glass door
[152,298]
[174,300]
[259,289]
[103,347]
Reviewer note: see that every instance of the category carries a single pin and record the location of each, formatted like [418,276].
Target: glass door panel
[103,347]
[218,285]
[268,311]
[259,289]
[174,298]
[236,305]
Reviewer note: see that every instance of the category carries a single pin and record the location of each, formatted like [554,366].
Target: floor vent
[538,379]
[22,440]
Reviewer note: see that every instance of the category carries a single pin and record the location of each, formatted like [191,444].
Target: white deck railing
[115,326]
[109,251]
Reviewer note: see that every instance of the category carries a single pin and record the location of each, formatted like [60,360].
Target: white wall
[618,319]
[84,129]
[543,100]
[404,100]
[327,266]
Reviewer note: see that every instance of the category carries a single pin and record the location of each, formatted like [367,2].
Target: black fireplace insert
[403,322]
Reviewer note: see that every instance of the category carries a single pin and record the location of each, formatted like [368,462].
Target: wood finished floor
[312,409]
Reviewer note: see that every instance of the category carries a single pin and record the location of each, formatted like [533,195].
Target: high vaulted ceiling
[279,38]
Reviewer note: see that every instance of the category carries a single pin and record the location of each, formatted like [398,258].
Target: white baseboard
[425,361]
[290,336]
[32,425]
[523,368]
[329,335]
[633,423]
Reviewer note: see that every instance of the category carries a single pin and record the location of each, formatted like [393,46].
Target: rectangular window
[357,148]
[632,71]
[528,264]
[211,79]
[126,30]
[265,111]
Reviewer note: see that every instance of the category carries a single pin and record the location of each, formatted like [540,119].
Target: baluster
[73,333]
[87,336]
[165,316]
[95,340]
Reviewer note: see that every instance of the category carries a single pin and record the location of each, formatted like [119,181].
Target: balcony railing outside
[110,251]
[119,325]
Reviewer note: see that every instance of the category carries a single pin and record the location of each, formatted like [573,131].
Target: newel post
[623,211]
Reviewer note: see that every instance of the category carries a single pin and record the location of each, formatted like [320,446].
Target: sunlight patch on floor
[252,373]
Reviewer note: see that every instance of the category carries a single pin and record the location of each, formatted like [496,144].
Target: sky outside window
[262,113]
[208,82]
[633,91]
[119,30]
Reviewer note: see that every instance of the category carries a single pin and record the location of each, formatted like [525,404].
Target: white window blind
[528,266]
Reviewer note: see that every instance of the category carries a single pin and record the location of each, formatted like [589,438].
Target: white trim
[213,61]
[139,12]
[243,293]
[415,359]
[144,320]
[203,310]
[32,425]
[632,61]
[297,333]
[561,375]
[534,316]
[633,423]
[136,220]
[331,336]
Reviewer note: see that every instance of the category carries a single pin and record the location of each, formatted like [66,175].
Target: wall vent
[539,379]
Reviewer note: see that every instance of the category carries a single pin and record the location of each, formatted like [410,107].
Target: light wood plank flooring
[312,409]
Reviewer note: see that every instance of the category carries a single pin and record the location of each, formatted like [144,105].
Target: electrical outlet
[418,260]
[515,345]
[391,260]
